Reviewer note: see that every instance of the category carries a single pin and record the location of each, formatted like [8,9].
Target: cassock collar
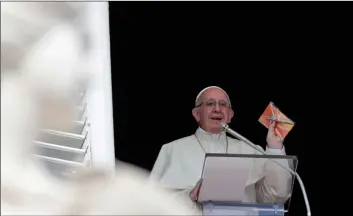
[202,134]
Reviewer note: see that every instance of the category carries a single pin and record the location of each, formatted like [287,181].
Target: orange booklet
[284,124]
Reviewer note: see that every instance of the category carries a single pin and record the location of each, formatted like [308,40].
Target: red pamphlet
[283,124]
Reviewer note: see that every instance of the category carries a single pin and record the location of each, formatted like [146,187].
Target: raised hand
[272,139]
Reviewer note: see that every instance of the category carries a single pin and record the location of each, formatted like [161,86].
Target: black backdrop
[163,54]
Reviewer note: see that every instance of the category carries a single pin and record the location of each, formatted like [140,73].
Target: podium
[246,184]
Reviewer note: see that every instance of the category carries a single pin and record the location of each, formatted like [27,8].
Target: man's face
[212,110]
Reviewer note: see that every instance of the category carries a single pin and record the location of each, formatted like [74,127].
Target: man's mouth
[217,118]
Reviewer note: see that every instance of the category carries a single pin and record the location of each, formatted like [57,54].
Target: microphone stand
[226,128]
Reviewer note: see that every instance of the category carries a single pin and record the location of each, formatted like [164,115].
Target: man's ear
[196,114]
[231,115]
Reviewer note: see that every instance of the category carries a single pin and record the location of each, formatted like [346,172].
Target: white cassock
[179,166]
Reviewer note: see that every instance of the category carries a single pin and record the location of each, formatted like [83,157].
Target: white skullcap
[203,90]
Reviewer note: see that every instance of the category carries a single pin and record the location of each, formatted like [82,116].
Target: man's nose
[216,107]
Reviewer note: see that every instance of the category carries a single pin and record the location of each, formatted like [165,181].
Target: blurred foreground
[43,67]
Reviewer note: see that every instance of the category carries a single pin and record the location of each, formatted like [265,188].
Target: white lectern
[246,184]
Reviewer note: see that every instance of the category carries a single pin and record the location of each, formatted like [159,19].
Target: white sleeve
[275,186]
[160,165]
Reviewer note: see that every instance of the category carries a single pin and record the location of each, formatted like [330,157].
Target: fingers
[198,186]
[272,125]
[193,195]
[272,128]
[278,135]
[195,192]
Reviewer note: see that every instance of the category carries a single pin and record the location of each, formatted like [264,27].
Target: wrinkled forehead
[212,92]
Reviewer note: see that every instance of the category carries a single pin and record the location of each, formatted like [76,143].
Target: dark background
[163,54]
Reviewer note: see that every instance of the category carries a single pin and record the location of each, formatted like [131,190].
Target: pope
[180,162]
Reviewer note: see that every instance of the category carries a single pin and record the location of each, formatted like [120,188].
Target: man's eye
[209,103]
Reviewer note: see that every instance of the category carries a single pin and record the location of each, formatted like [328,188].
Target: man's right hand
[195,191]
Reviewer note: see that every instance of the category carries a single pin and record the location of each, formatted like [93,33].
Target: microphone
[226,128]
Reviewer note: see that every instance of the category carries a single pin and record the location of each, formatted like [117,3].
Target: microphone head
[224,126]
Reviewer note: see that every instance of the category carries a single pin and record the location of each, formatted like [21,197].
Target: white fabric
[179,167]
[40,48]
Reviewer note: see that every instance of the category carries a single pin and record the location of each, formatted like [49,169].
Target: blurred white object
[44,59]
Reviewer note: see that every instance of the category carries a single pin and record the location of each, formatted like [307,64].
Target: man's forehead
[212,91]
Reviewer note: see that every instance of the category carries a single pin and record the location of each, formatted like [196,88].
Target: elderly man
[179,163]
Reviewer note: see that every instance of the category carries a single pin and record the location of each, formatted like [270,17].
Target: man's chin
[217,123]
[216,128]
